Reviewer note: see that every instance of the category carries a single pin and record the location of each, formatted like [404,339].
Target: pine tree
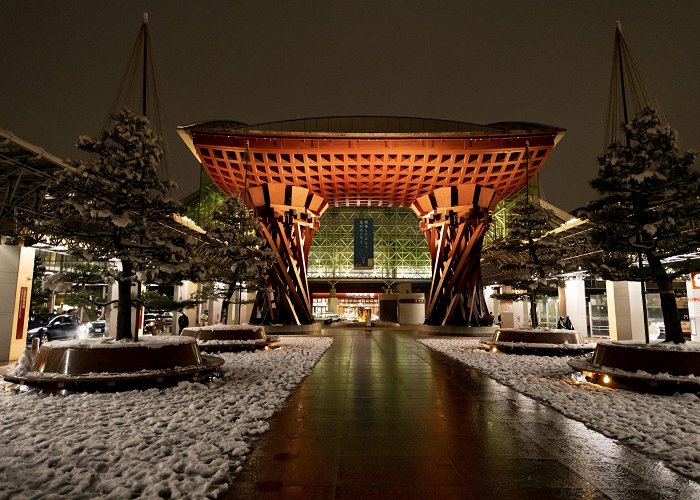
[648,206]
[73,283]
[119,210]
[241,259]
[537,255]
[40,294]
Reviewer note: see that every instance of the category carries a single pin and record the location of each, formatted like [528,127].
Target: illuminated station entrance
[450,175]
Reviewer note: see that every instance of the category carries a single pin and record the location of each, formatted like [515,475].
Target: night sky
[481,62]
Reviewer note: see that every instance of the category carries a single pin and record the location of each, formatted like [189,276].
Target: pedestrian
[183,321]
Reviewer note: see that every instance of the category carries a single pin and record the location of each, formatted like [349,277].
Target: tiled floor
[382,416]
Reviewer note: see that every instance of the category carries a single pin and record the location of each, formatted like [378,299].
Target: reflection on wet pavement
[382,416]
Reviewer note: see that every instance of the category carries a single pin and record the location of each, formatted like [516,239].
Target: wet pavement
[382,416]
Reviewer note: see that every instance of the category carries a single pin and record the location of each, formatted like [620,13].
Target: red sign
[22,313]
[695,279]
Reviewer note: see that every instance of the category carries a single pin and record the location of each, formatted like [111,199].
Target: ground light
[597,378]
[656,367]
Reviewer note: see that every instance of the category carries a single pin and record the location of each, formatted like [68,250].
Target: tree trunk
[533,309]
[672,320]
[225,305]
[669,308]
[125,303]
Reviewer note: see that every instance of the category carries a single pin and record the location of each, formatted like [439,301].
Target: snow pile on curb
[222,327]
[181,442]
[540,345]
[663,427]
[659,345]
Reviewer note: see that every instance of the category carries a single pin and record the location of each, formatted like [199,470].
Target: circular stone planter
[657,365]
[107,364]
[538,341]
[229,338]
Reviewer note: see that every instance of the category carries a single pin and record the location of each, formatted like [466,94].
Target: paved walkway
[382,416]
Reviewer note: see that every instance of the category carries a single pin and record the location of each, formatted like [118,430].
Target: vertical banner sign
[22,312]
[364,242]
[693,290]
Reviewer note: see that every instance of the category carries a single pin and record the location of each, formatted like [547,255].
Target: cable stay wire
[138,91]
[627,93]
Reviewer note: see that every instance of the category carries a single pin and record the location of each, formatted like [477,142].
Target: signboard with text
[364,242]
[22,314]
[693,291]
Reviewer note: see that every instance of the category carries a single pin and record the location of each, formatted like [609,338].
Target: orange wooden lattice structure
[443,170]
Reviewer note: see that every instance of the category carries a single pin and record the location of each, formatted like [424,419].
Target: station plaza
[385,220]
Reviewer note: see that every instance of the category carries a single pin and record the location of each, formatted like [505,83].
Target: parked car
[62,327]
[97,328]
[38,319]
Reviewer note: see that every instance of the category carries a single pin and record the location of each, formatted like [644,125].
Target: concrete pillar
[514,313]
[214,308]
[561,292]
[411,308]
[506,309]
[247,298]
[491,303]
[521,314]
[625,315]
[233,312]
[333,301]
[16,271]
[693,288]
[575,303]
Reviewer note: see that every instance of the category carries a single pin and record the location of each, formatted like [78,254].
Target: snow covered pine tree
[242,259]
[538,254]
[117,208]
[649,205]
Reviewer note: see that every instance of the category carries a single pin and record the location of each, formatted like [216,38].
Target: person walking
[183,321]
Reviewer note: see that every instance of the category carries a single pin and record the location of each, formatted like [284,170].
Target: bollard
[35,344]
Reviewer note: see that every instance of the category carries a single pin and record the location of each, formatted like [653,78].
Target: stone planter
[98,364]
[230,338]
[652,366]
[538,341]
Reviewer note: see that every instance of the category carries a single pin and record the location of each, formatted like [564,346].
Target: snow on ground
[663,427]
[181,442]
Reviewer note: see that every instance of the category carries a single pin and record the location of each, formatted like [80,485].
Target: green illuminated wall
[200,208]
[400,248]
